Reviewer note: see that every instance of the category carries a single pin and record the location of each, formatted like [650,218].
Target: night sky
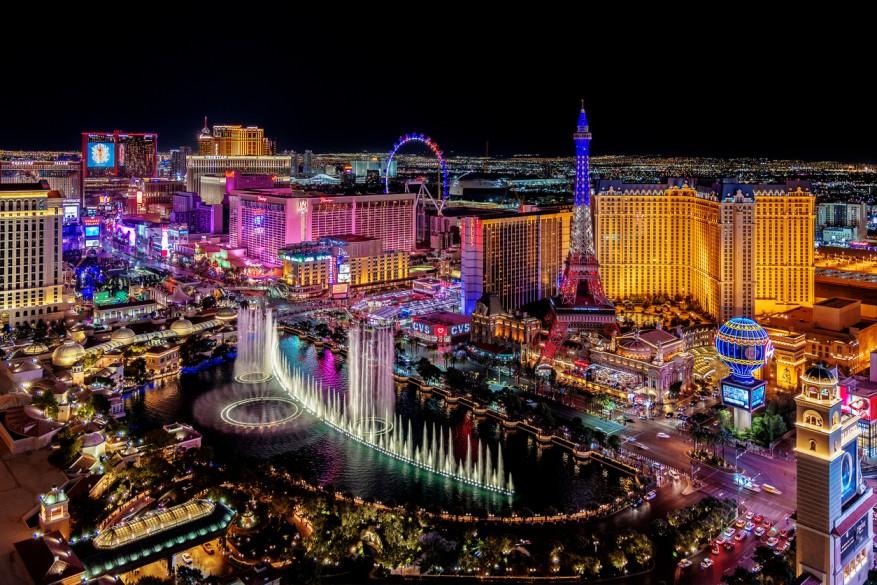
[359,88]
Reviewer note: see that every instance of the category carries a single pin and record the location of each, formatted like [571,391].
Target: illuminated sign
[460,329]
[734,396]
[258,220]
[101,155]
[750,399]
[849,472]
[92,231]
[756,398]
[853,539]
[421,327]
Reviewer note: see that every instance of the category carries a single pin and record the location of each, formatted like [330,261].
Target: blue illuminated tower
[582,304]
[582,241]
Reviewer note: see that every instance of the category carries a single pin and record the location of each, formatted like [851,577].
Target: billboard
[751,398]
[92,231]
[735,396]
[101,155]
[756,398]
[853,539]
[849,471]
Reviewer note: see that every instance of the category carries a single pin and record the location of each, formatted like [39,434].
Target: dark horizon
[766,102]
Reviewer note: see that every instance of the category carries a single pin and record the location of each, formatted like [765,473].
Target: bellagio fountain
[366,411]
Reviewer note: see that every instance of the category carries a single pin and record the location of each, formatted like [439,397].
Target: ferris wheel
[442,169]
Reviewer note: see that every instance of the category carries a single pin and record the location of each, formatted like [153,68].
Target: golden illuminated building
[347,259]
[31,282]
[517,257]
[736,249]
[234,140]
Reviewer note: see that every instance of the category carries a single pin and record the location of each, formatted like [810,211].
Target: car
[673,473]
[715,549]
[663,436]
[750,515]
[784,533]
[186,558]
[637,503]
[208,548]
[755,568]
[669,415]
[759,531]
[729,546]
[749,526]
[650,496]
[741,534]
[684,564]
[643,417]
[740,522]
[770,489]
[721,540]
[729,532]
[706,563]
[772,541]
[758,518]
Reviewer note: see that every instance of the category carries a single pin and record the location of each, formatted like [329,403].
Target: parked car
[741,534]
[758,518]
[772,541]
[729,532]
[759,531]
[749,526]
[706,563]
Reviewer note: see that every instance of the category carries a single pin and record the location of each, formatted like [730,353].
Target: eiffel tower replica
[581,304]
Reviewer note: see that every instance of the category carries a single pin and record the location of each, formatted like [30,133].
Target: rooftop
[836,302]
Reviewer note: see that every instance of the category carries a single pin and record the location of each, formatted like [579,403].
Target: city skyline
[721,102]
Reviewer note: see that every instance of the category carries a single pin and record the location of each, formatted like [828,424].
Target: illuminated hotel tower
[582,304]
[834,505]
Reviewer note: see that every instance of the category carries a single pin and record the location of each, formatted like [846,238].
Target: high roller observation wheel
[443,167]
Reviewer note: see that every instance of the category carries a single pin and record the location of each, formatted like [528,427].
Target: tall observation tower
[581,304]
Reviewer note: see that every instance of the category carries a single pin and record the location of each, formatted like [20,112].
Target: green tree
[427,370]
[767,428]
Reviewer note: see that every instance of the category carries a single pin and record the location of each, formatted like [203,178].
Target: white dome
[67,354]
[123,334]
[182,327]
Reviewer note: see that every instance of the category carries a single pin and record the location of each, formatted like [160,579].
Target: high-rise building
[119,154]
[737,250]
[234,140]
[264,220]
[834,525]
[178,161]
[62,175]
[154,195]
[279,167]
[517,257]
[31,283]
[853,216]
[307,163]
